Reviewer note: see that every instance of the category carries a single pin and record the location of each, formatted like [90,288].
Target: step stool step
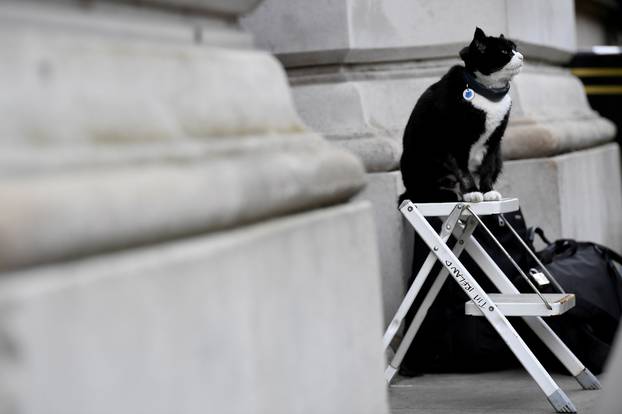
[525,304]
[481,209]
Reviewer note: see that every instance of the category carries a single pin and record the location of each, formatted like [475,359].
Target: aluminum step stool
[461,219]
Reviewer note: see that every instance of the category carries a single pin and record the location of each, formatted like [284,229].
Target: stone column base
[576,195]
[188,327]
[395,237]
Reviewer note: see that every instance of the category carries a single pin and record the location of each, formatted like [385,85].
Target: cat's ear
[501,37]
[479,34]
[479,40]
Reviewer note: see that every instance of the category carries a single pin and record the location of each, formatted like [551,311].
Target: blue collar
[493,94]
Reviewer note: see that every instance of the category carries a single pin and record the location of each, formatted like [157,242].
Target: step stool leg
[425,306]
[469,285]
[560,401]
[583,376]
[448,226]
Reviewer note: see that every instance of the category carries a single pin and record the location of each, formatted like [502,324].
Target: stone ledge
[377,154]
[142,91]
[69,213]
[19,160]
[537,139]
[351,31]
[371,103]
[226,7]
[353,55]
[238,322]
[128,20]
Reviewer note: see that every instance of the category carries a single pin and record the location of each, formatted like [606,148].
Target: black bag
[448,340]
[593,273]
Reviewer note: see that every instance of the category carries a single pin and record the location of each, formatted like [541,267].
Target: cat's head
[490,56]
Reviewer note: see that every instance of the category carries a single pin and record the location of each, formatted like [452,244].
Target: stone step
[278,317]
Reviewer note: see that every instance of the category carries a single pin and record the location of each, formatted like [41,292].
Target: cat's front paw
[474,197]
[492,196]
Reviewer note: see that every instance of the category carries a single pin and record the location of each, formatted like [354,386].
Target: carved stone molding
[358,67]
[109,141]
[357,31]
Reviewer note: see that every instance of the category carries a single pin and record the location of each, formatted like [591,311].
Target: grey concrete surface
[576,195]
[279,317]
[394,235]
[504,392]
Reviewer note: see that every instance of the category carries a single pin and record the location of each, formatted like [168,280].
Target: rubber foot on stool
[587,380]
[560,401]
[389,373]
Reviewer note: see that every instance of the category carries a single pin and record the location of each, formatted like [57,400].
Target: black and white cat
[452,139]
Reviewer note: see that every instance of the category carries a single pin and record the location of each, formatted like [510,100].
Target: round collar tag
[468,94]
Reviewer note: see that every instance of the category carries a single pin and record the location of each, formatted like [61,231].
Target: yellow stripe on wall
[597,72]
[603,89]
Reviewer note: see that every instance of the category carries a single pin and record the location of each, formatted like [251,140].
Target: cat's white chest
[495,112]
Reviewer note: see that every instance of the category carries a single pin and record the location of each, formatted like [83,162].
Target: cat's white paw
[492,196]
[474,197]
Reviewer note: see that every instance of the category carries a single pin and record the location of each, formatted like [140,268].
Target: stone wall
[358,67]
[573,195]
[174,238]
[177,234]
